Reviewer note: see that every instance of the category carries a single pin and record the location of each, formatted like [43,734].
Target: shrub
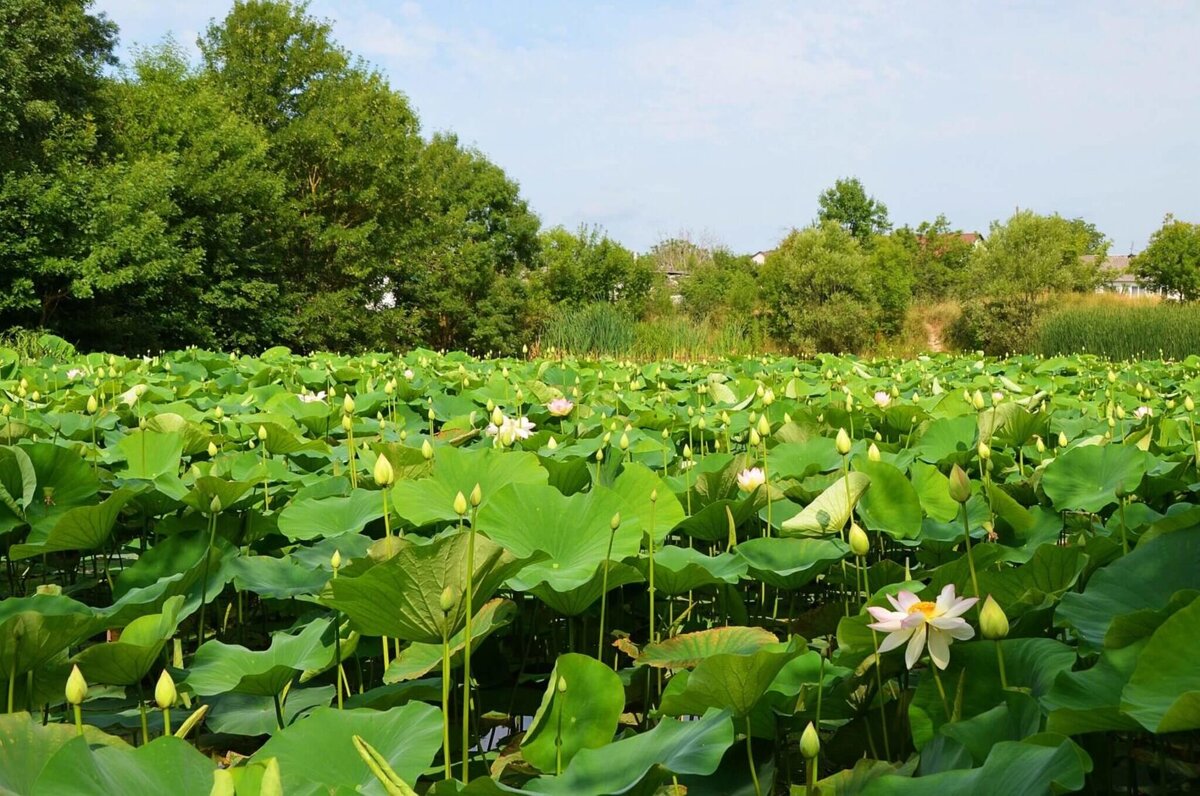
[996,326]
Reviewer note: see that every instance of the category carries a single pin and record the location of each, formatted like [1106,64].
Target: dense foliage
[306,574]
[1120,329]
[1171,263]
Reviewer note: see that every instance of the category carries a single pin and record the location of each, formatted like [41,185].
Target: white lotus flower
[751,479]
[74,373]
[921,623]
[560,407]
[882,399]
[510,430]
[310,397]
[1142,411]
[408,374]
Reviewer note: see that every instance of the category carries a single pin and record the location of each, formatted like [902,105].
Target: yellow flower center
[926,608]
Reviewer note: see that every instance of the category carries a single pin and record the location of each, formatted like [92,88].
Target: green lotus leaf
[891,505]
[584,715]
[430,500]
[249,714]
[165,765]
[678,570]
[313,518]
[633,486]
[27,747]
[711,523]
[1091,477]
[933,491]
[400,597]
[279,578]
[800,460]
[687,650]
[35,629]
[148,454]
[788,563]
[417,659]
[317,756]
[574,601]
[948,440]
[831,509]
[218,668]
[731,681]
[1163,693]
[128,659]
[64,481]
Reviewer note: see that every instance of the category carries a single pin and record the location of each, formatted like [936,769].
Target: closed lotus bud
[1041,446]
[552,443]
[764,427]
[347,423]
[599,454]
[960,485]
[993,623]
[335,560]
[426,450]
[214,505]
[687,452]
[262,433]
[983,451]
[755,439]
[615,522]
[212,449]
[447,600]
[384,474]
[561,685]
[476,496]
[842,442]
[810,742]
[77,687]
[430,415]
[497,416]
[653,495]
[1112,377]
[873,452]
[164,691]
[1188,404]
[860,545]
[92,405]
[460,504]
[218,413]
[768,397]
[1062,439]
[348,404]
[977,400]
[624,441]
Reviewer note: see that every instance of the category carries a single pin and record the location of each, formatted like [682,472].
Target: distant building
[758,258]
[1119,277]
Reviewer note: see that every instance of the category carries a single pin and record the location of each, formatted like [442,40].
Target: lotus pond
[435,574]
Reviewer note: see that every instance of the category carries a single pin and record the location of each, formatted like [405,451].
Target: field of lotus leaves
[434,574]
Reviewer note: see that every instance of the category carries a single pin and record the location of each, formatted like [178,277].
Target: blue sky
[725,120]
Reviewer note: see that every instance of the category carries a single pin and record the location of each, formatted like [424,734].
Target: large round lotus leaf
[584,715]
[401,596]
[574,601]
[891,505]
[430,500]
[1163,692]
[64,481]
[687,650]
[800,460]
[128,659]
[731,681]
[35,629]
[831,509]
[1090,477]
[649,758]
[678,570]
[634,486]
[417,659]
[313,518]
[948,440]
[148,454]
[218,667]
[80,528]
[789,563]
[165,765]
[317,756]
[573,532]
[27,746]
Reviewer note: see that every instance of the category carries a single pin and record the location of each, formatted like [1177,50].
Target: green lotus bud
[561,685]
[430,415]
[448,599]
[214,505]
[219,413]
[92,405]
[384,474]
[335,560]
[164,691]
[860,545]
[960,485]
[993,623]
[666,433]
[687,452]
[653,495]
[77,687]
[842,442]
[1112,377]
[497,416]
[873,452]
[552,443]
[347,424]
[212,449]
[624,441]
[764,427]
[1189,405]
[460,504]
[983,451]
[768,397]
[262,433]
[977,400]
[426,450]
[476,496]
[755,439]
[810,742]
[615,522]
[1062,439]
[348,404]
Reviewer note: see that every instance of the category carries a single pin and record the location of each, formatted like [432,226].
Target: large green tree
[1031,254]
[848,205]
[588,266]
[1171,261]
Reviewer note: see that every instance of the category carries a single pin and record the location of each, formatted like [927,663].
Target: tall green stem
[970,558]
[446,702]
[887,746]
[466,707]
[212,536]
[750,759]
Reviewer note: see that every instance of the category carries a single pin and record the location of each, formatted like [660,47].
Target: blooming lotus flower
[408,374]
[560,407]
[510,429]
[882,399]
[1142,411]
[922,623]
[311,397]
[74,373]
[751,479]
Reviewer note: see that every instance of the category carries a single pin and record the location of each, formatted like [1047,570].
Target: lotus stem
[887,746]
[937,678]
[750,759]
[616,522]
[212,536]
[12,679]
[278,711]
[78,719]
[466,707]
[1000,661]
[970,558]
[142,710]
[166,721]
[446,701]
[387,517]
[1124,532]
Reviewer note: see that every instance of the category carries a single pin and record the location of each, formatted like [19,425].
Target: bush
[996,326]
[1121,328]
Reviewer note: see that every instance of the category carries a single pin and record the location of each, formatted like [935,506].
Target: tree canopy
[1171,261]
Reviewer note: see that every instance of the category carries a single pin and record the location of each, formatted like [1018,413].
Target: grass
[1121,327]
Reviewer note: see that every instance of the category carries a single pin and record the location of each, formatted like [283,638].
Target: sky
[724,121]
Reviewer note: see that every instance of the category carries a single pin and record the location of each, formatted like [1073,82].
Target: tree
[848,205]
[818,294]
[588,266]
[1171,261]
[890,261]
[725,285]
[941,257]
[1032,254]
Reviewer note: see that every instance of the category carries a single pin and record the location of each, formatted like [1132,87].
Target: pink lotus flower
[560,407]
[882,399]
[920,623]
[751,479]
[1142,411]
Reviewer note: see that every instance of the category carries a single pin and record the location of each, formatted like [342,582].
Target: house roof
[1113,263]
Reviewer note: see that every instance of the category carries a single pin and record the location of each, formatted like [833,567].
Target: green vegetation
[1121,329]
[1171,263]
[555,576]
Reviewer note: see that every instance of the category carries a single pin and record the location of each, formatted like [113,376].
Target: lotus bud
[787,418]
[7,410]
[1062,439]
[214,505]
[552,444]
[764,427]
[403,435]
[77,687]
[212,449]
[860,545]
[624,441]
[460,504]
[842,442]
[755,439]
[810,742]
[430,415]
[960,485]
[993,623]
[383,472]
[447,600]
[599,454]
[977,400]
[561,685]
[92,405]
[165,693]
[768,397]
[615,522]
[907,571]
[666,433]
[873,452]
[426,450]
[335,560]
[653,495]
[497,416]
[347,424]
[262,433]
[348,404]
[1112,377]
[752,417]
[1189,405]
[687,452]
[983,451]
[476,496]
[219,414]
